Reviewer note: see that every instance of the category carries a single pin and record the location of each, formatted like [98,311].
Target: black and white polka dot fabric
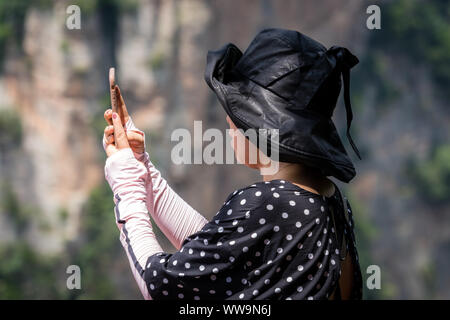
[271,240]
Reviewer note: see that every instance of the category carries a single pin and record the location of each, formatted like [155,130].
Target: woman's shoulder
[275,194]
[263,208]
[258,189]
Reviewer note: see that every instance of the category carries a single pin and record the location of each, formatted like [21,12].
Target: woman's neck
[303,176]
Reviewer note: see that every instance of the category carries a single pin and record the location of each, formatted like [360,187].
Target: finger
[109,139]
[119,133]
[136,141]
[108,136]
[134,137]
[108,132]
[110,149]
[122,108]
[108,116]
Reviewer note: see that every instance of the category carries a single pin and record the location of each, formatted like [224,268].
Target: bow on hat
[346,60]
[335,57]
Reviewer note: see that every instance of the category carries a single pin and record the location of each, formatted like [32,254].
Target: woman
[287,237]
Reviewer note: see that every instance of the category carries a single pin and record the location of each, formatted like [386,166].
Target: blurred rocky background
[55,208]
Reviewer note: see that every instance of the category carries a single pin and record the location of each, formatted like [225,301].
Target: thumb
[120,137]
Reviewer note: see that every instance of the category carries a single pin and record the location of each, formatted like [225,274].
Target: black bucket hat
[290,82]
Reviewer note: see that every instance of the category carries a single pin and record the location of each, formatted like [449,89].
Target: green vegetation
[365,233]
[27,275]
[429,278]
[98,122]
[12,18]
[64,46]
[13,13]
[10,129]
[63,215]
[98,249]
[91,6]
[80,72]
[156,61]
[413,33]
[13,210]
[432,176]
[421,30]
[24,274]
[373,70]
[418,31]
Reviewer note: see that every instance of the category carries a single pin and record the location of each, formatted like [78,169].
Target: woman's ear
[230,123]
[245,152]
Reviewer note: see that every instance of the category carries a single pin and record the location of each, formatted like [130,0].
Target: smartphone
[112,90]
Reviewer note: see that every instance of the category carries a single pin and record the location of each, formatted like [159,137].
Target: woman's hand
[136,138]
[117,139]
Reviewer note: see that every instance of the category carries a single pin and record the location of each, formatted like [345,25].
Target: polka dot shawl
[270,240]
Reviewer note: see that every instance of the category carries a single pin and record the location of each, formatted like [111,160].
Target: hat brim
[304,136]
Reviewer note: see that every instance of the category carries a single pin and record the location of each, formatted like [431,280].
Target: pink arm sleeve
[127,178]
[138,189]
[176,218]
